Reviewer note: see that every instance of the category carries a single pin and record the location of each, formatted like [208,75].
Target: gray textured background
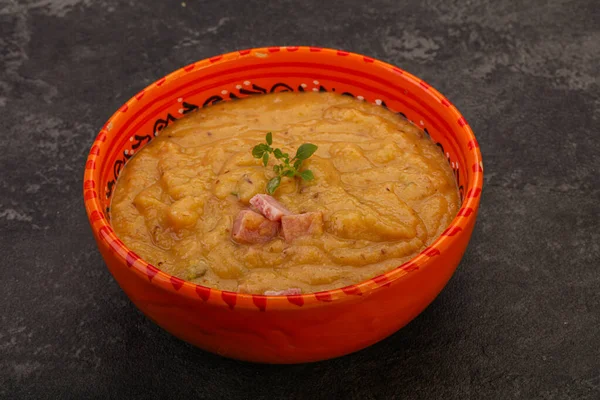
[519,320]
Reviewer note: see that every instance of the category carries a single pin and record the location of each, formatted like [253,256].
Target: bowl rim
[466,214]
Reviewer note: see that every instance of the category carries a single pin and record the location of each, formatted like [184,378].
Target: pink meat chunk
[250,227]
[269,207]
[290,291]
[297,225]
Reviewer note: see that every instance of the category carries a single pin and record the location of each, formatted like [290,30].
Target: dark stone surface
[519,320]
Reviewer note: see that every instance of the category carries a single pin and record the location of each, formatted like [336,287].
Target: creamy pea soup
[193,202]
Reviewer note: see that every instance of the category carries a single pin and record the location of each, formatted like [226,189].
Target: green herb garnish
[286,167]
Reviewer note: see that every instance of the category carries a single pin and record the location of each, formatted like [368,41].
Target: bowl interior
[280,69]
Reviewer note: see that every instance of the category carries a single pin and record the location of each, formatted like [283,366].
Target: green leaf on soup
[284,169]
[307,175]
[304,151]
[273,184]
[259,150]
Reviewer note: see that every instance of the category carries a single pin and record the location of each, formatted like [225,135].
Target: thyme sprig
[286,166]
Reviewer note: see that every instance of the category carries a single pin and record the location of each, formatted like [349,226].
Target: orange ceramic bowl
[282,329]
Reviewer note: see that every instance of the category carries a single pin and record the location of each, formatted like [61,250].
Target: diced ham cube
[269,207]
[251,227]
[290,291]
[296,225]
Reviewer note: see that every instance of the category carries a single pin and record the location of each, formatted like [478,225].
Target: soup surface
[382,191]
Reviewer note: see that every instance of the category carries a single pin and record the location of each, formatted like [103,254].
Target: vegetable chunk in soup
[195,201]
